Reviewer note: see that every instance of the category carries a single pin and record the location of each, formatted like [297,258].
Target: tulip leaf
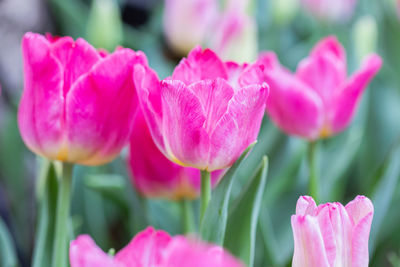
[8,257]
[243,217]
[46,218]
[214,222]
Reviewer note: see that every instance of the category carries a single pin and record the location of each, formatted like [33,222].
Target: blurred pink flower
[188,23]
[331,235]
[78,103]
[318,100]
[151,248]
[207,113]
[154,175]
[337,11]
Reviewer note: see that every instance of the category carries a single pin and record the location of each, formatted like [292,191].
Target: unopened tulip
[151,248]
[188,23]
[337,11]
[331,235]
[318,100]
[206,114]
[78,103]
[154,175]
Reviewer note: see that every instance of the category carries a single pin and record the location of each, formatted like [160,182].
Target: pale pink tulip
[207,113]
[154,175]
[331,235]
[337,11]
[78,103]
[151,248]
[319,100]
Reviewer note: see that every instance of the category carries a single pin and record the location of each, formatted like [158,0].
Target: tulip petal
[41,111]
[346,99]
[186,141]
[100,110]
[359,243]
[306,206]
[358,208]
[84,252]
[200,65]
[309,249]
[146,249]
[330,45]
[239,127]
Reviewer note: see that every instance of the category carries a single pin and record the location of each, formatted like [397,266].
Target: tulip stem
[205,193]
[187,216]
[63,206]
[313,177]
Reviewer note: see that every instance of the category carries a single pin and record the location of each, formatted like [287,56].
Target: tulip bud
[365,34]
[104,29]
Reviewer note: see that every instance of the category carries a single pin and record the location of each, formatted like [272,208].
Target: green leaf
[47,197]
[8,257]
[243,217]
[214,222]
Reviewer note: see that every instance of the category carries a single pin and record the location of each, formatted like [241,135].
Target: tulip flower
[151,248]
[318,100]
[188,23]
[331,235]
[337,11]
[78,103]
[154,175]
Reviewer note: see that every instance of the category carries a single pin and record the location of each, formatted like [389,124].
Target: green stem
[313,179]
[63,205]
[187,216]
[205,193]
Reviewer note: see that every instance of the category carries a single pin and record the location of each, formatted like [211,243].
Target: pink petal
[100,110]
[309,249]
[182,253]
[83,252]
[186,141]
[239,127]
[330,45]
[358,208]
[306,206]
[359,243]
[214,96]
[200,65]
[146,249]
[77,58]
[41,110]
[346,99]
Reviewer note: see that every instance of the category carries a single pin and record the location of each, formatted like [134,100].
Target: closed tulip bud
[207,113]
[338,11]
[319,100]
[154,175]
[331,235]
[188,23]
[78,104]
[365,34]
[151,248]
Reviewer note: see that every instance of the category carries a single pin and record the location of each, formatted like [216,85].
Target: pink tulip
[206,114]
[188,23]
[151,248]
[331,235]
[78,103]
[154,175]
[332,11]
[318,100]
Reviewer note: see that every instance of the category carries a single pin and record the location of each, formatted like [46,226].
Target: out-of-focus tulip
[154,175]
[151,248]
[318,100]
[187,23]
[78,104]
[337,11]
[331,235]
[207,113]
[365,34]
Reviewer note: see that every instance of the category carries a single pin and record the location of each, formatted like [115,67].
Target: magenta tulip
[331,235]
[207,113]
[151,248]
[78,103]
[337,11]
[318,100]
[154,175]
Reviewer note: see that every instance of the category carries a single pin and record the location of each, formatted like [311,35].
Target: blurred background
[365,159]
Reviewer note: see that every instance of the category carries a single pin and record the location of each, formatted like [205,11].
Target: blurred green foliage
[365,159]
